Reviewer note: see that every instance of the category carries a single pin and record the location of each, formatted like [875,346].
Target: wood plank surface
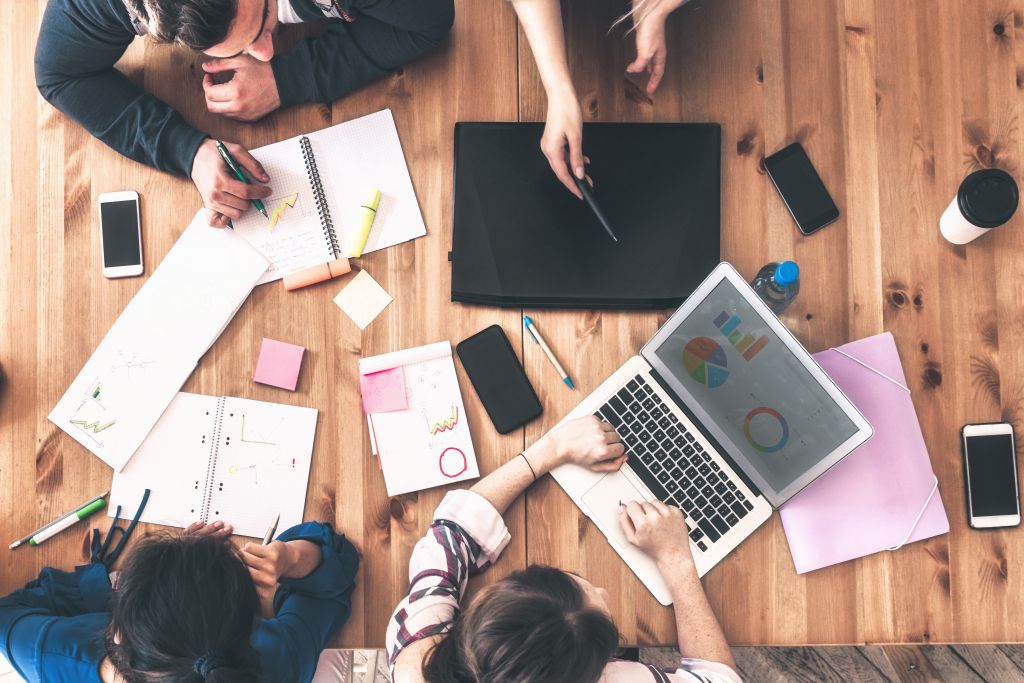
[895,103]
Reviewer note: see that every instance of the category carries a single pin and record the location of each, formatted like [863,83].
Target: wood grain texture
[895,103]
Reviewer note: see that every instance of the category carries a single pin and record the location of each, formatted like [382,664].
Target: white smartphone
[120,234]
[990,466]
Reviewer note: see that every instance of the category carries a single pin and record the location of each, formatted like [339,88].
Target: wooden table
[895,103]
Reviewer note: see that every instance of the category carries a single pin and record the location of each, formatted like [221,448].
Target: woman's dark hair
[197,24]
[534,625]
[184,612]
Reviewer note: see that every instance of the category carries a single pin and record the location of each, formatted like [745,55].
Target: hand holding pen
[227,186]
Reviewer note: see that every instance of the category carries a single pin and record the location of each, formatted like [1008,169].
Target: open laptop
[724,414]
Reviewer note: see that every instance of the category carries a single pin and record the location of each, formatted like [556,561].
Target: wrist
[677,565]
[543,456]
[561,94]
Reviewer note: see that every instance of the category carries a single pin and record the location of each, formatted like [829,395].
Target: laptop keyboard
[672,462]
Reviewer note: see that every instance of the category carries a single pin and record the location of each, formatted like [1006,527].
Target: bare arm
[585,441]
[659,530]
[542,22]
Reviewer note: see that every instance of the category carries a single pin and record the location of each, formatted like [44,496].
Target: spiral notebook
[215,458]
[318,182]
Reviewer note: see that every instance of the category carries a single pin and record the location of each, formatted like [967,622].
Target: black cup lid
[988,198]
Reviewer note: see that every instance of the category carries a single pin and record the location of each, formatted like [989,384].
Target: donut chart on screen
[770,415]
[705,361]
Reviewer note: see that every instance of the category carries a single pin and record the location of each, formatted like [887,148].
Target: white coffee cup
[986,199]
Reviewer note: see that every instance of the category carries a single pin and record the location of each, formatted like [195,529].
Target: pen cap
[91,508]
[372,200]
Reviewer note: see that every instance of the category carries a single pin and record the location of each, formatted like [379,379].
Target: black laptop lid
[521,239]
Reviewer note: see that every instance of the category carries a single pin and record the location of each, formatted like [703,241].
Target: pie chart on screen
[705,361]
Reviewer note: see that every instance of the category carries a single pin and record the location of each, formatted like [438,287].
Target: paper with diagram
[156,342]
[215,458]
[427,443]
[319,182]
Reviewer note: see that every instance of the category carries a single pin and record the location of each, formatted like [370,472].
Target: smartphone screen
[801,188]
[120,233]
[991,475]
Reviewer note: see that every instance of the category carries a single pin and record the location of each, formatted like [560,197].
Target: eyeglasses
[263,25]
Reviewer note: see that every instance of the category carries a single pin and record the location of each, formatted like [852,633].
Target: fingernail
[579,172]
[218,524]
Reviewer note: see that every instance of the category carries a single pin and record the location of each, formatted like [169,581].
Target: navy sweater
[80,40]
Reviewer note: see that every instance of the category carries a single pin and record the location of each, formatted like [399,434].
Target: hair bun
[207,663]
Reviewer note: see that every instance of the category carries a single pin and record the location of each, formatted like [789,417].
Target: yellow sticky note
[362,299]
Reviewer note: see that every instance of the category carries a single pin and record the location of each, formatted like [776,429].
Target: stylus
[588,197]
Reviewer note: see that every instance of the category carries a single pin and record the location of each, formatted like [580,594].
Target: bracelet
[532,471]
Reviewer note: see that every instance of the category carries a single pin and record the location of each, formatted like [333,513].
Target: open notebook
[416,418]
[215,458]
[156,342]
[319,182]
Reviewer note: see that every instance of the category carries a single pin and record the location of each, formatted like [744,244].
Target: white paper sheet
[155,344]
[230,459]
[428,444]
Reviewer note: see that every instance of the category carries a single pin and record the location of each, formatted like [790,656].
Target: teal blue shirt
[52,629]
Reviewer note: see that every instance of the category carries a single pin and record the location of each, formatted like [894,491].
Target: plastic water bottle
[778,284]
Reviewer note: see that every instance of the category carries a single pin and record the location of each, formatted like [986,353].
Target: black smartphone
[801,188]
[499,379]
[990,468]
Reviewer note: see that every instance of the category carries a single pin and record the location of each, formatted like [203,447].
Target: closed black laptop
[521,239]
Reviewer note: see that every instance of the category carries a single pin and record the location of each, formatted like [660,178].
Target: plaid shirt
[467,536]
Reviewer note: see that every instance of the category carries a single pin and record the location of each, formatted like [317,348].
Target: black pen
[588,197]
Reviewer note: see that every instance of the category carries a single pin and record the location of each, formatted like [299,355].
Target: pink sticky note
[279,364]
[383,392]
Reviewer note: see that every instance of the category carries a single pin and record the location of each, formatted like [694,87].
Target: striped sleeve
[466,536]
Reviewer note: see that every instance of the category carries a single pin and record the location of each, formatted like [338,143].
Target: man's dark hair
[534,625]
[184,612]
[198,24]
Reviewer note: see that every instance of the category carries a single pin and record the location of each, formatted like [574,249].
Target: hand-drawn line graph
[447,424]
[90,425]
[129,362]
[278,211]
[255,467]
[253,435]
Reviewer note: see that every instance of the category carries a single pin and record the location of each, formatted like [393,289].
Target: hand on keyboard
[588,442]
[657,529]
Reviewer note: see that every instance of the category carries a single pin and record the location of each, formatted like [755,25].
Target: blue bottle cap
[787,273]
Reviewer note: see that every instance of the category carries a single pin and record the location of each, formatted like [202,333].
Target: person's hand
[218,529]
[251,93]
[267,564]
[650,50]
[564,128]
[588,442]
[657,529]
[225,196]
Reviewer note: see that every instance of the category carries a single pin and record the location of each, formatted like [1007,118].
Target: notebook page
[171,463]
[292,236]
[429,443]
[155,343]
[356,157]
[262,465]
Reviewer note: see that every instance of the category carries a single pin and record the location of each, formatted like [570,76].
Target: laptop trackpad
[601,504]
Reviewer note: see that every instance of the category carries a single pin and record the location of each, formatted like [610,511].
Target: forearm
[697,629]
[508,482]
[542,22]
[303,559]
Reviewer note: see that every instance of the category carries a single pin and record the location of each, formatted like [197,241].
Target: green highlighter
[237,170]
[63,522]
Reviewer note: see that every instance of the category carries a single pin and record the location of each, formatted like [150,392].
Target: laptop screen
[739,375]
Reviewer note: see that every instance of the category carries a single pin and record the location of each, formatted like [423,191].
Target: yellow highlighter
[364,220]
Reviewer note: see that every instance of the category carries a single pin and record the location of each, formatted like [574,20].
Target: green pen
[63,522]
[237,170]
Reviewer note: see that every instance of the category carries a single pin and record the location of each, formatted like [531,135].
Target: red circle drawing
[440,463]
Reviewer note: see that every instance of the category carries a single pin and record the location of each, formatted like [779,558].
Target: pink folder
[883,491]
